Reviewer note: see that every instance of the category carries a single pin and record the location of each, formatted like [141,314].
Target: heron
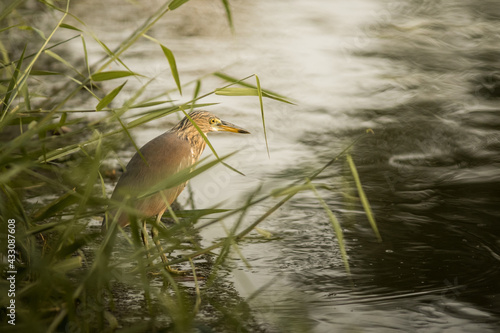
[162,157]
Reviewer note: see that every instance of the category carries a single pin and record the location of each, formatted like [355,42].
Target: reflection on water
[432,174]
[425,75]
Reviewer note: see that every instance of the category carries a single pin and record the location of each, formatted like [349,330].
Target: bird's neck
[197,145]
[195,140]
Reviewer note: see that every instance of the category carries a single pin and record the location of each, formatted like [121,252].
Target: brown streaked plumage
[167,154]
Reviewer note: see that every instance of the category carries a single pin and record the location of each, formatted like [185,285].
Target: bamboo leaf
[248,92]
[158,113]
[241,82]
[56,206]
[84,44]
[292,190]
[68,264]
[41,72]
[30,28]
[13,82]
[195,214]
[362,196]
[109,97]
[62,60]
[259,92]
[149,104]
[264,233]
[196,93]
[176,4]
[125,129]
[67,26]
[26,95]
[336,227]
[228,14]
[181,177]
[151,115]
[7,9]
[111,75]
[173,66]
[209,144]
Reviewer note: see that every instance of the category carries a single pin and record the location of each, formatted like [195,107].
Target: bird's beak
[224,126]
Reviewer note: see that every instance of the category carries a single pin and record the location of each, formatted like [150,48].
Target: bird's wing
[165,156]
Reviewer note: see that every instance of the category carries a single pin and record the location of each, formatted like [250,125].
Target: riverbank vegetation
[56,162]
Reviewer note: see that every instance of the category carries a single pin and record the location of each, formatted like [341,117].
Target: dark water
[431,173]
[425,76]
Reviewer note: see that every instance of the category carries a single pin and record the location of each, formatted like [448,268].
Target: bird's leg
[154,236]
[144,236]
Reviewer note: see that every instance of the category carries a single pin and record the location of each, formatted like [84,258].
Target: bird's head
[208,122]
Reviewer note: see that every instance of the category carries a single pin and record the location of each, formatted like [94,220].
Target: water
[425,77]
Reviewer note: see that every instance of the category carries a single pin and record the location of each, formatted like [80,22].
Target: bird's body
[165,155]
[162,157]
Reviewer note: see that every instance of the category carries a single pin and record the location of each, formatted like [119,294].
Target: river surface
[424,75]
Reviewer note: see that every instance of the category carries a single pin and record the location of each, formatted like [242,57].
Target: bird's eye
[213,121]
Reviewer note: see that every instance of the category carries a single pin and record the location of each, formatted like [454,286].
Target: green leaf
[259,92]
[109,97]
[111,75]
[248,92]
[173,66]
[30,28]
[181,177]
[176,4]
[241,82]
[67,26]
[62,60]
[68,264]
[6,10]
[26,95]
[158,113]
[289,190]
[58,153]
[151,115]
[336,227]
[264,233]
[228,13]
[149,104]
[40,72]
[195,214]
[362,196]
[13,82]
[56,206]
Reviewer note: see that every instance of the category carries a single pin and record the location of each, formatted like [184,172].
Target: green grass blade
[229,16]
[259,92]
[36,72]
[47,48]
[70,27]
[181,177]
[12,84]
[111,75]
[26,95]
[173,66]
[241,82]
[336,227]
[125,129]
[176,4]
[196,93]
[151,115]
[8,9]
[149,104]
[209,144]
[248,92]
[63,61]
[362,196]
[109,97]
[87,65]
